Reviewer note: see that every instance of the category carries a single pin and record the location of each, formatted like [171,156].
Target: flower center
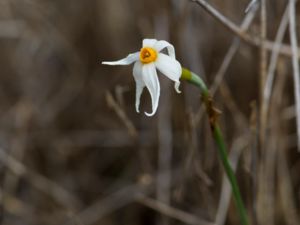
[148,55]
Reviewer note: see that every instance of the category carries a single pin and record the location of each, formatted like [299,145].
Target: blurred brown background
[74,151]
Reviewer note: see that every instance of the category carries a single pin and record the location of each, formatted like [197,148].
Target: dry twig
[295,57]
[269,45]
[167,210]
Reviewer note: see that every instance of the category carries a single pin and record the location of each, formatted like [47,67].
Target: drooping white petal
[139,82]
[149,42]
[126,61]
[152,83]
[160,45]
[169,67]
[176,86]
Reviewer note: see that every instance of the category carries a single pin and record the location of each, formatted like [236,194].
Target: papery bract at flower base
[146,61]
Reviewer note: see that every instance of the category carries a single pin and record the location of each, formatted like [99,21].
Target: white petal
[149,42]
[169,67]
[160,45]
[152,83]
[176,86]
[139,82]
[126,61]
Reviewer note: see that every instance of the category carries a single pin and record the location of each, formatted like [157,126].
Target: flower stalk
[213,114]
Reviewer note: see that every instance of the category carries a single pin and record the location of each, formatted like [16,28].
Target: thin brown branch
[250,39]
[167,210]
[228,58]
[263,70]
[263,36]
[274,59]
[40,182]
[295,56]
[164,133]
[285,190]
[232,50]
[109,204]
[121,114]
[251,5]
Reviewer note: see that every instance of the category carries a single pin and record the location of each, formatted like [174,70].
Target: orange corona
[148,55]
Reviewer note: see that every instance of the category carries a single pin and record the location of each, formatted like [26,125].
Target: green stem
[218,137]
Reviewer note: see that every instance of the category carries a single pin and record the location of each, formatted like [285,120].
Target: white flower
[146,61]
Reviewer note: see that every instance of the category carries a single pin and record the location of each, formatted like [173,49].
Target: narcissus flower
[146,61]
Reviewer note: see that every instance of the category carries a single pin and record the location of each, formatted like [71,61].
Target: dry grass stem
[269,45]
[172,212]
[295,62]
